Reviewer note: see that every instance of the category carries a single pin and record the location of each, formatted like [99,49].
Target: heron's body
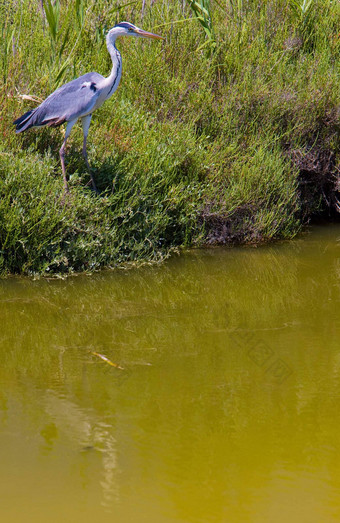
[80,97]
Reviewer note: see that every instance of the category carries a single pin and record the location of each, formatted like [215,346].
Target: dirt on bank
[319,197]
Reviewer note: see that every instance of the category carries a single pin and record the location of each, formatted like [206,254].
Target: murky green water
[227,409]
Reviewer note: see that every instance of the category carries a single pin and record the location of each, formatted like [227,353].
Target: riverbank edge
[318,189]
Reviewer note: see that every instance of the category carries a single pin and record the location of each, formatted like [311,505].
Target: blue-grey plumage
[73,100]
[80,97]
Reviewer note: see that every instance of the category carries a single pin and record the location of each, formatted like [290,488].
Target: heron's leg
[62,161]
[69,126]
[86,125]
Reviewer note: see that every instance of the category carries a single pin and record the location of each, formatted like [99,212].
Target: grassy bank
[226,132]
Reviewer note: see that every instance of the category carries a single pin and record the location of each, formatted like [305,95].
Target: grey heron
[80,97]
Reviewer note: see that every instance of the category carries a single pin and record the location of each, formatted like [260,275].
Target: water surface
[227,407]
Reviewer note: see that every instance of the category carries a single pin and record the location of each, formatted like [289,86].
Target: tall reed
[202,11]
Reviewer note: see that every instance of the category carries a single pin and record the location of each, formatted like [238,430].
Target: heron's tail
[24,122]
[37,118]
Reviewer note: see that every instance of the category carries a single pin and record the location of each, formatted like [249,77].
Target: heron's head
[127,29]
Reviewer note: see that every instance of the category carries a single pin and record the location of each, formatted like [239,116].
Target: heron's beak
[145,34]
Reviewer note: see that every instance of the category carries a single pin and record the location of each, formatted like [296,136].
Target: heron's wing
[71,101]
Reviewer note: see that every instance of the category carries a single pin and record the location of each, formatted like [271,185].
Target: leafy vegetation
[226,132]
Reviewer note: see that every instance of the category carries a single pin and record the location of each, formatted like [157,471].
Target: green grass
[220,134]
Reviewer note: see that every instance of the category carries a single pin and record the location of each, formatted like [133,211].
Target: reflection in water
[227,408]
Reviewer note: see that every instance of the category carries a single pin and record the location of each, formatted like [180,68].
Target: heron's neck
[116,71]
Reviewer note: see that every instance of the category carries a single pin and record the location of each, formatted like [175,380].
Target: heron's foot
[65,197]
[92,186]
[93,183]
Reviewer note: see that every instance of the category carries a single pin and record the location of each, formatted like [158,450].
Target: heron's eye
[130,29]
